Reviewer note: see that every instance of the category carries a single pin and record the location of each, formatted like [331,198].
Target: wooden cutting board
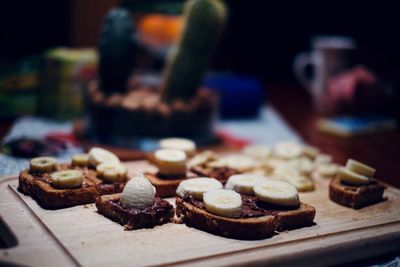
[80,236]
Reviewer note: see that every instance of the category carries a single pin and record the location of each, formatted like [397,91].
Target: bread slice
[110,206]
[251,228]
[166,186]
[222,174]
[356,197]
[38,185]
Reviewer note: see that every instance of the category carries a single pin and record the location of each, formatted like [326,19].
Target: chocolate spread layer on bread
[356,196]
[39,187]
[132,218]
[251,207]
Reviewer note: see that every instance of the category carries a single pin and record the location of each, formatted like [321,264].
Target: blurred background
[272,32]
[327,67]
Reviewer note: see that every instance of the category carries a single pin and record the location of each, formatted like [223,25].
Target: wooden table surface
[379,150]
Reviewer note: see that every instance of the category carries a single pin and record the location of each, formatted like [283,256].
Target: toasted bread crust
[159,215]
[49,197]
[242,228]
[356,197]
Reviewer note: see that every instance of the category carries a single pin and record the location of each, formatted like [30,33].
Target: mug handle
[300,63]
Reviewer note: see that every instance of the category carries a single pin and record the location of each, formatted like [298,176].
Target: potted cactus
[177,106]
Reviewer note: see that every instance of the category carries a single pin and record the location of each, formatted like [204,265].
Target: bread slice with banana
[251,207]
[137,206]
[88,176]
[172,168]
[355,187]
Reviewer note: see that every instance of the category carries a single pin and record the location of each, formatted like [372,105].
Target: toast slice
[159,213]
[38,185]
[166,186]
[356,197]
[254,223]
[222,174]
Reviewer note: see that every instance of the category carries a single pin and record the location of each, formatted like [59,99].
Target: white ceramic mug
[327,58]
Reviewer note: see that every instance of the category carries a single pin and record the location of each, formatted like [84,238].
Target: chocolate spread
[149,216]
[251,207]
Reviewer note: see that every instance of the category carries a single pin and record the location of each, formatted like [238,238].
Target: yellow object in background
[65,75]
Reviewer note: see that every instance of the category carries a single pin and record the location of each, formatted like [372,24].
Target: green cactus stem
[204,21]
[117,51]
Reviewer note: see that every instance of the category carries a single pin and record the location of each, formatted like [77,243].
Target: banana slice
[274,163]
[186,145]
[302,183]
[294,177]
[302,164]
[327,169]
[277,192]
[202,158]
[310,151]
[81,160]
[257,151]
[219,163]
[240,162]
[43,164]
[351,177]
[112,172]
[323,158]
[360,168]
[99,155]
[223,202]
[67,179]
[138,193]
[196,187]
[170,161]
[244,183]
[287,150]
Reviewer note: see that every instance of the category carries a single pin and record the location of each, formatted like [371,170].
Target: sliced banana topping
[170,161]
[43,164]
[310,151]
[67,179]
[186,145]
[287,150]
[219,163]
[302,164]
[196,187]
[327,169]
[323,158]
[277,192]
[112,172]
[360,168]
[81,160]
[138,193]
[257,151]
[351,177]
[202,158]
[244,183]
[223,202]
[99,155]
[239,162]
[302,183]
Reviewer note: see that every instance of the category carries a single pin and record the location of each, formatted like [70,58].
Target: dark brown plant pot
[126,119]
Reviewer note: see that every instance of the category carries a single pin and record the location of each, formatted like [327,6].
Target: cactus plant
[117,51]
[204,21]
